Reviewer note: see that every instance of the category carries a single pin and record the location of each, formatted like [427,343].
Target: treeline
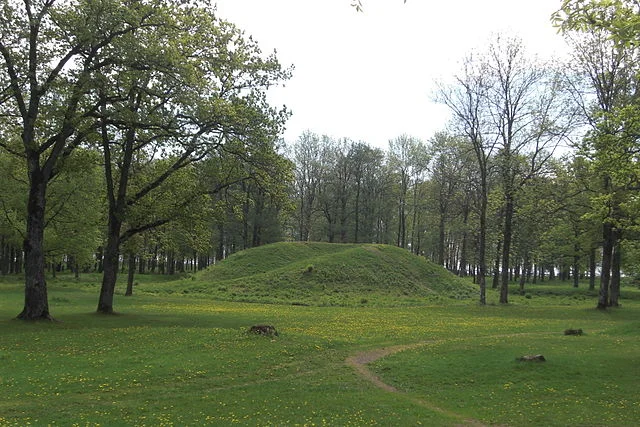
[209,210]
[425,197]
[147,144]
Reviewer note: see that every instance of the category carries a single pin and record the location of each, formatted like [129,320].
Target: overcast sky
[370,76]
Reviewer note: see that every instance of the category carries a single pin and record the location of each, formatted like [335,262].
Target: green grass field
[185,358]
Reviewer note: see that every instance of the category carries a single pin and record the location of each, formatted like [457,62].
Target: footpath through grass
[180,360]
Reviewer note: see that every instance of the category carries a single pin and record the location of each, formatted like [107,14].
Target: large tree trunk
[36,302]
[110,264]
[614,294]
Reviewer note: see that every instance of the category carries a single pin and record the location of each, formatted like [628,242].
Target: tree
[132,75]
[467,100]
[607,53]
[450,163]
[12,213]
[199,87]
[530,118]
[342,189]
[408,159]
[518,107]
[365,160]
[75,212]
[335,190]
[306,156]
[250,198]
[372,202]
[49,52]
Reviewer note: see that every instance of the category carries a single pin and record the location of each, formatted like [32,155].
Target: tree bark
[592,269]
[607,255]
[36,302]
[576,262]
[482,240]
[441,235]
[496,267]
[116,200]
[356,233]
[526,271]
[130,274]
[465,238]
[506,249]
[614,294]
[110,266]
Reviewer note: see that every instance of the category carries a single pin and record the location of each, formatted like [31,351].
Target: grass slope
[325,274]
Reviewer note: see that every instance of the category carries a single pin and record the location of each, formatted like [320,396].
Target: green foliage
[76,210]
[340,274]
[76,206]
[619,18]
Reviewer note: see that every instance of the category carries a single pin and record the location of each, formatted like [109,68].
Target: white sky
[370,76]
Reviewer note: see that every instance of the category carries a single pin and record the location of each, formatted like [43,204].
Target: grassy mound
[325,274]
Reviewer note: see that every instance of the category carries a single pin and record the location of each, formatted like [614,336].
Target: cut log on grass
[573,331]
[267,330]
[532,358]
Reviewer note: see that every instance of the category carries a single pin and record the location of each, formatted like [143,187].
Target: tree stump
[267,330]
[573,331]
[532,358]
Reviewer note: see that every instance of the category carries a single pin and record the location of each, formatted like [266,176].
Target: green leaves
[619,18]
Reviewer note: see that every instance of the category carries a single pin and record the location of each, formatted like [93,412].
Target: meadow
[185,358]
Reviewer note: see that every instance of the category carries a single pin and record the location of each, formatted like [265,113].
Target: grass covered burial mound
[327,274]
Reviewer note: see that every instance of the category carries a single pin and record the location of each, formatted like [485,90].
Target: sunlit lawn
[189,361]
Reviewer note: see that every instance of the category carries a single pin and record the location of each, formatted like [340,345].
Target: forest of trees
[133,139]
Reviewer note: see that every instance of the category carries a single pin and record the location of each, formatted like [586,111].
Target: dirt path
[360,361]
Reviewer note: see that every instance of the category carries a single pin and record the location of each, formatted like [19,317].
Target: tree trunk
[171,263]
[463,248]
[506,249]
[482,241]
[4,257]
[526,270]
[592,269]
[142,265]
[614,295]
[576,263]
[110,266]
[441,227]
[356,233]
[130,273]
[36,302]
[607,255]
[496,267]
[99,259]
